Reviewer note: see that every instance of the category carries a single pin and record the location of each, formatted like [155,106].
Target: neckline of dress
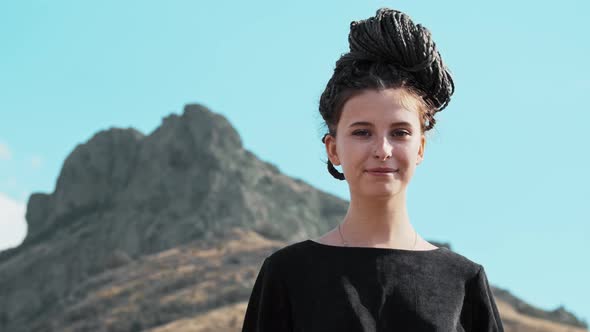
[372,248]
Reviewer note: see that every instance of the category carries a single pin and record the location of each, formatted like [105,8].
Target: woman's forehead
[376,115]
[385,104]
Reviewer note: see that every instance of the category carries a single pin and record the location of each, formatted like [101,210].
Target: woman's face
[376,130]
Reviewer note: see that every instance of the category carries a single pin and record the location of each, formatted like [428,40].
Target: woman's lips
[380,173]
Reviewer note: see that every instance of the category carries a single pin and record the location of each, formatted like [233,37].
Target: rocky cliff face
[139,226]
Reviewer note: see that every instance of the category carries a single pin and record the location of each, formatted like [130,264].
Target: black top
[309,286]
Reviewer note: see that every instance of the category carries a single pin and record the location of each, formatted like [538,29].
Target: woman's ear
[421,149]
[330,143]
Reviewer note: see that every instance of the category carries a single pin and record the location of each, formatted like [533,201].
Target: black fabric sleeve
[485,315]
[268,307]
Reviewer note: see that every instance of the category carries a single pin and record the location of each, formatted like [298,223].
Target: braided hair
[387,51]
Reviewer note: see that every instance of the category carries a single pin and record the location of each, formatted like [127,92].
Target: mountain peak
[120,161]
[205,127]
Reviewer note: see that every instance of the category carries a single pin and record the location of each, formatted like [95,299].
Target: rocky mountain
[166,232]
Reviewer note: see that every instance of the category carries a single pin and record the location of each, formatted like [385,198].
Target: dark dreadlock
[387,51]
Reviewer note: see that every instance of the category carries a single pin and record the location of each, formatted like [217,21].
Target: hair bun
[391,37]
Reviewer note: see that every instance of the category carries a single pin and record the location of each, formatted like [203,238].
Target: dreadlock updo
[388,51]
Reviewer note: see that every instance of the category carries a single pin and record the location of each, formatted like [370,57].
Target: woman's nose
[383,148]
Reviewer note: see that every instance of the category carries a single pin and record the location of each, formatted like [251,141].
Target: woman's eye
[395,133]
[403,132]
[360,132]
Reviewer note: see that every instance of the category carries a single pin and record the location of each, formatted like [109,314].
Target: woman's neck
[370,221]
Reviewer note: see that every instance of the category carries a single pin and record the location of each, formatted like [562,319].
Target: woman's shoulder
[290,251]
[288,258]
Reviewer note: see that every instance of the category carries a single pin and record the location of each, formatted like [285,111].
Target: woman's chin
[384,190]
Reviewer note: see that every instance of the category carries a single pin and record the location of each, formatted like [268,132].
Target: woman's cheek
[402,157]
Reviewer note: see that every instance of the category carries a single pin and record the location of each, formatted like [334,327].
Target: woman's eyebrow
[395,124]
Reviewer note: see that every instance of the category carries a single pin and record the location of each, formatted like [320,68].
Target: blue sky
[505,179]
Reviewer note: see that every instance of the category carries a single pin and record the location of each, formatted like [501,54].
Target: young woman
[373,272]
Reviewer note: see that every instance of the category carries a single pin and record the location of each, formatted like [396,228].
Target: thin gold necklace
[346,243]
